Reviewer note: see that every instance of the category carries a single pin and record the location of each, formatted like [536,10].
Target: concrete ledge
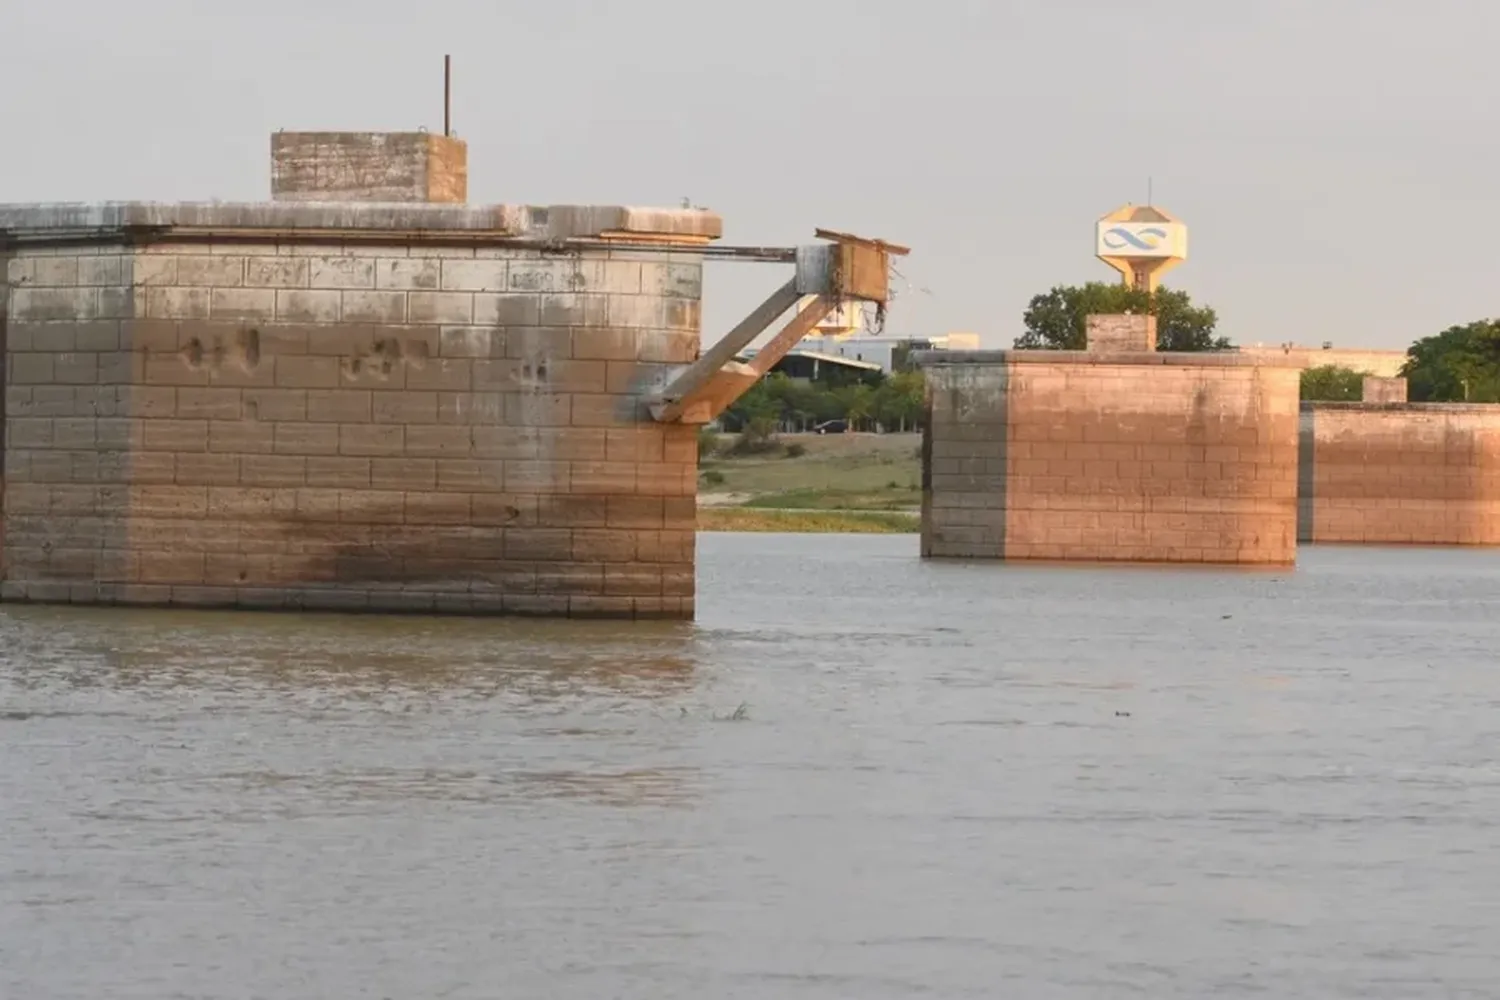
[1184,359]
[559,222]
[1385,363]
[1490,409]
[568,221]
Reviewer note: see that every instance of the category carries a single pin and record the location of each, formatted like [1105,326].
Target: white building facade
[883,350]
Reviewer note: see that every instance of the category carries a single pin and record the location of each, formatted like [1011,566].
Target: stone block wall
[368,167]
[1053,455]
[398,427]
[1112,333]
[1400,474]
[1375,389]
[5,257]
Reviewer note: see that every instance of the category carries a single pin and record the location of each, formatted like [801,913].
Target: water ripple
[858,775]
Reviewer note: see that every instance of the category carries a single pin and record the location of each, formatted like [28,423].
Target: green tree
[1333,383]
[894,403]
[900,401]
[858,402]
[708,443]
[1461,364]
[796,399]
[758,404]
[1056,320]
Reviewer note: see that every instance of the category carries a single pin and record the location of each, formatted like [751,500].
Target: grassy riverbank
[805,521]
[817,472]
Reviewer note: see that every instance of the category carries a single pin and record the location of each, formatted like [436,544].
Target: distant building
[815,366]
[845,321]
[842,335]
[886,351]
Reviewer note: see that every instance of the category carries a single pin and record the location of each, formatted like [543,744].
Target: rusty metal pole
[447,95]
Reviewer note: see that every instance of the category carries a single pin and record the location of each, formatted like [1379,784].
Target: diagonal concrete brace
[696,376]
[701,393]
[848,268]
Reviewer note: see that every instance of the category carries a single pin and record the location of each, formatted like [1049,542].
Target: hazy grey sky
[1335,160]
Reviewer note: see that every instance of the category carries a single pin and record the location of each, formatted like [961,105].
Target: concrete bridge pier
[367,394]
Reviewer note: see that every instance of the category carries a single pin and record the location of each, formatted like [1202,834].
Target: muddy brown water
[857,775]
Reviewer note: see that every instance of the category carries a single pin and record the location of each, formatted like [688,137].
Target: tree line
[895,402]
[889,403]
[1459,365]
[1462,363]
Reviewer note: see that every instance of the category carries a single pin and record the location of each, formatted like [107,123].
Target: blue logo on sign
[1119,238]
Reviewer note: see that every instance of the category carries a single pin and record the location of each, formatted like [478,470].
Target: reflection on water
[661,786]
[359,656]
[856,775]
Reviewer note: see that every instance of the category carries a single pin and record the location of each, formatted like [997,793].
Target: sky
[1334,160]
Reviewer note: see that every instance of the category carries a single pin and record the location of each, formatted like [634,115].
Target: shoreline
[762,519]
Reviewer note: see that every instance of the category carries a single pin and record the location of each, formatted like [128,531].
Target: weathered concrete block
[474,275]
[19,270]
[672,279]
[170,302]
[1383,390]
[47,272]
[1080,456]
[368,166]
[440,308]
[298,306]
[341,272]
[1400,473]
[686,225]
[507,310]
[636,311]
[575,310]
[423,273]
[1124,332]
[61,304]
[552,275]
[277,272]
[153,269]
[320,424]
[373,307]
[221,272]
[108,271]
[258,304]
